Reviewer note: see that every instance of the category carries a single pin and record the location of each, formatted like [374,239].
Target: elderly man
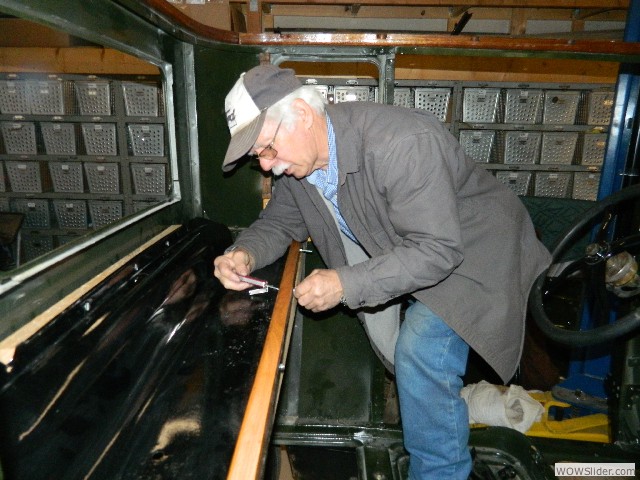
[396,210]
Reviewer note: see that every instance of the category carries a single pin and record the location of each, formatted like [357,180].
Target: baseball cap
[246,106]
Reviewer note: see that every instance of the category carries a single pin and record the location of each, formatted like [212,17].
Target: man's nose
[266,164]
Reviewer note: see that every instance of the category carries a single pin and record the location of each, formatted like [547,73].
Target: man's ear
[304,112]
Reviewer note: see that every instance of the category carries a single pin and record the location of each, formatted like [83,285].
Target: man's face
[296,155]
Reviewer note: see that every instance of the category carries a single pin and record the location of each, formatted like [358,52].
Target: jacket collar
[347,147]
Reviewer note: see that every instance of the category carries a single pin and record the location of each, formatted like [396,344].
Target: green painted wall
[234,198]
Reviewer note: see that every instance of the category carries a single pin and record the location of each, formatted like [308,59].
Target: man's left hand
[320,291]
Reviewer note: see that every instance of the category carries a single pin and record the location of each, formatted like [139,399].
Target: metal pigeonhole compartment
[24,177]
[558,147]
[148,179]
[146,140]
[522,147]
[593,148]
[435,100]
[71,214]
[478,144]
[553,184]
[19,138]
[560,107]
[323,90]
[34,245]
[586,185]
[100,139]
[523,106]
[104,212]
[140,99]
[403,97]
[600,108]
[481,105]
[59,138]
[353,93]
[519,182]
[103,177]
[36,212]
[66,177]
[14,98]
[94,97]
[46,97]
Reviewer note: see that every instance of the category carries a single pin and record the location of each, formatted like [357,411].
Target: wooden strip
[624,51]
[249,454]
[448,42]
[8,345]
[613,4]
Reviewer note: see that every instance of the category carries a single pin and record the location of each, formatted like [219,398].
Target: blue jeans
[430,360]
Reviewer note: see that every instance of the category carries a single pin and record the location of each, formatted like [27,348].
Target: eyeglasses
[268,152]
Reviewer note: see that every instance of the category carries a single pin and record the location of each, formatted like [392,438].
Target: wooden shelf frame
[185,27]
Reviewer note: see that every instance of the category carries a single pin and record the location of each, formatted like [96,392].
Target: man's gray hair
[283,108]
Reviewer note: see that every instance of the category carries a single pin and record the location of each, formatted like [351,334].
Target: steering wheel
[607,263]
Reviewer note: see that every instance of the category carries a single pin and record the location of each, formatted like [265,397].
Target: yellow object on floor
[587,428]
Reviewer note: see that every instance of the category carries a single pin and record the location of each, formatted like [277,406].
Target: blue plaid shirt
[327,180]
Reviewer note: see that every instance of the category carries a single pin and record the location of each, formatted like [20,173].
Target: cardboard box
[213,13]
[17,32]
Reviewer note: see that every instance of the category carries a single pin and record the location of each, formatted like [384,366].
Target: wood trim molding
[616,50]
[612,4]
[250,452]
[444,41]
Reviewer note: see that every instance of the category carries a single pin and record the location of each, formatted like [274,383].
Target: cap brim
[242,142]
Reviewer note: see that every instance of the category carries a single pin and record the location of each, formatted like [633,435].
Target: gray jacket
[434,224]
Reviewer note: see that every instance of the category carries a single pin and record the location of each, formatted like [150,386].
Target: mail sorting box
[19,138]
[600,108]
[66,177]
[558,147]
[148,179]
[593,149]
[103,177]
[140,99]
[104,212]
[522,147]
[436,100]
[100,139]
[146,140]
[523,106]
[24,177]
[36,212]
[34,246]
[403,97]
[478,144]
[59,138]
[71,213]
[354,93]
[520,182]
[94,97]
[553,184]
[14,98]
[585,186]
[46,97]
[432,99]
[560,107]
[481,105]
[323,90]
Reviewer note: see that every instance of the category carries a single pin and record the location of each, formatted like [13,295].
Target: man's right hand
[227,267]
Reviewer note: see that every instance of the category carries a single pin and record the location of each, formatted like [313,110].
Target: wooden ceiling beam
[596,4]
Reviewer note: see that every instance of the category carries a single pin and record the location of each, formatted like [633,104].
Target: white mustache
[279,168]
